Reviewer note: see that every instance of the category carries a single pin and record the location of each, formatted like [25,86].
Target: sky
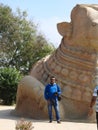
[47,13]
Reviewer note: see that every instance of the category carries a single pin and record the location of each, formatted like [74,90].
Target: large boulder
[30,101]
[73,65]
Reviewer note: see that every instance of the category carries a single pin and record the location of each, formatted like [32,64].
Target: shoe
[58,122]
[50,121]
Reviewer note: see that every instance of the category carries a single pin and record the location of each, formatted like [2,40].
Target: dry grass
[24,125]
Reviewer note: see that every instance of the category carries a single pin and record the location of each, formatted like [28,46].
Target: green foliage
[20,43]
[9,78]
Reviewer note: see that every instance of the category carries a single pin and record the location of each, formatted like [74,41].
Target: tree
[20,43]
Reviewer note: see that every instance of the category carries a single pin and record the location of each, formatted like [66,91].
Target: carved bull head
[83,28]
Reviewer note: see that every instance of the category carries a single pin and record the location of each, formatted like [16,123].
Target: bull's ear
[64,29]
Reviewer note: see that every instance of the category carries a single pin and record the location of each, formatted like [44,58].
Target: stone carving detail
[73,65]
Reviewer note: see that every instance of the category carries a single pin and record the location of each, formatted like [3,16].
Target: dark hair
[52,77]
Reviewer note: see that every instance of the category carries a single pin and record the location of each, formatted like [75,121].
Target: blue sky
[47,13]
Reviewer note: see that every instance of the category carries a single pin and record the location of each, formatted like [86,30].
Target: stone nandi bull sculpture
[73,65]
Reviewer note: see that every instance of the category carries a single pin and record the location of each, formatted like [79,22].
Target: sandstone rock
[30,101]
[73,64]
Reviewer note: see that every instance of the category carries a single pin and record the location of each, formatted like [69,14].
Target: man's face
[52,80]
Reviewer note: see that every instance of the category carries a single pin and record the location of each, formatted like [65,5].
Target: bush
[9,78]
[24,125]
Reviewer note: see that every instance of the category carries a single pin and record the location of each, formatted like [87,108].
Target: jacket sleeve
[58,90]
[46,95]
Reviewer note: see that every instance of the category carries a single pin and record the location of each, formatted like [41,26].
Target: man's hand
[90,112]
[56,94]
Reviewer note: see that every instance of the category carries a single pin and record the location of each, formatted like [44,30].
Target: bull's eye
[94,24]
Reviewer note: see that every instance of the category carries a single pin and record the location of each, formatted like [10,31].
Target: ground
[7,122]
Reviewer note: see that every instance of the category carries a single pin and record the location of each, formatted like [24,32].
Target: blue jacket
[50,89]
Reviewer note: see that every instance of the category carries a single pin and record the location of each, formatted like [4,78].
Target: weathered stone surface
[73,65]
[30,101]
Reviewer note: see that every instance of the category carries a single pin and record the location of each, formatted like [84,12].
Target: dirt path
[8,122]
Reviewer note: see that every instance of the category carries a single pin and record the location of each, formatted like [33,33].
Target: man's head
[52,80]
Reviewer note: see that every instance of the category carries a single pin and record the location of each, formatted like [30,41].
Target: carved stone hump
[72,64]
[30,101]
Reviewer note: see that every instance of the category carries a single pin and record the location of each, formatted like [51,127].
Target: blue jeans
[55,105]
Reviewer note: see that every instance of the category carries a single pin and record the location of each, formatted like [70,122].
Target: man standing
[94,101]
[51,94]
